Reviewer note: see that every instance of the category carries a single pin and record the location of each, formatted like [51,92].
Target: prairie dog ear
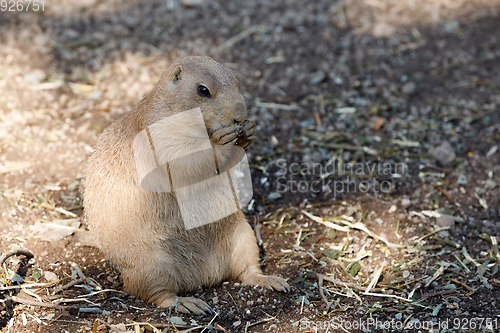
[176,74]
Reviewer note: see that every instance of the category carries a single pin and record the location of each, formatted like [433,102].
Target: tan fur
[142,232]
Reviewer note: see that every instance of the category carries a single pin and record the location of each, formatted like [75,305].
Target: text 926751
[22,5]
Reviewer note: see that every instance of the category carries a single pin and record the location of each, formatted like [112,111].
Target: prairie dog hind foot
[186,305]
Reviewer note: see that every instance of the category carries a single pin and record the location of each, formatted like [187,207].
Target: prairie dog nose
[240,112]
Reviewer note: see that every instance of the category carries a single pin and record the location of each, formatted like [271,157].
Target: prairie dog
[142,231]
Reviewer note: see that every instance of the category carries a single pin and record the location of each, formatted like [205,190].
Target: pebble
[462,179]
[409,88]
[192,3]
[445,221]
[443,154]
[177,321]
[405,203]
[51,277]
[274,196]
[34,77]
[318,77]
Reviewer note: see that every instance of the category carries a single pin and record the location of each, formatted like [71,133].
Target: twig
[325,223]
[211,321]
[347,284]
[221,328]
[27,286]
[69,285]
[86,279]
[359,226]
[285,107]
[18,252]
[436,275]
[258,235]
[99,292]
[233,40]
[429,234]
[231,298]
[258,322]
[472,290]
[376,276]
[396,297]
[321,293]
[33,303]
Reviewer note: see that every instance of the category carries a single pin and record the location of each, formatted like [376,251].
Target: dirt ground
[381,117]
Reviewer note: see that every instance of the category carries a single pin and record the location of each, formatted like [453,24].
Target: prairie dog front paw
[225,135]
[247,135]
[268,281]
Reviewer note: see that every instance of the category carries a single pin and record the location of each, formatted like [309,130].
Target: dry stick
[86,279]
[221,328]
[238,37]
[436,275]
[258,323]
[211,321]
[429,234]
[325,223]
[258,235]
[350,285]
[19,252]
[34,303]
[376,276]
[27,286]
[323,297]
[463,284]
[190,329]
[67,286]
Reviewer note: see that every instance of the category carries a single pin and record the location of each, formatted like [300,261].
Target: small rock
[73,185]
[443,154]
[462,180]
[392,209]
[405,203]
[379,221]
[192,3]
[383,29]
[389,278]
[378,123]
[409,88]
[34,77]
[177,321]
[237,323]
[274,196]
[118,328]
[318,77]
[50,276]
[95,95]
[215,300]
[445,221]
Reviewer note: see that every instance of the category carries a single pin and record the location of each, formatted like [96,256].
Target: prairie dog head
[205,83]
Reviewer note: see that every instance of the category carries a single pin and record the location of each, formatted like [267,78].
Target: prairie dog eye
[203,90]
